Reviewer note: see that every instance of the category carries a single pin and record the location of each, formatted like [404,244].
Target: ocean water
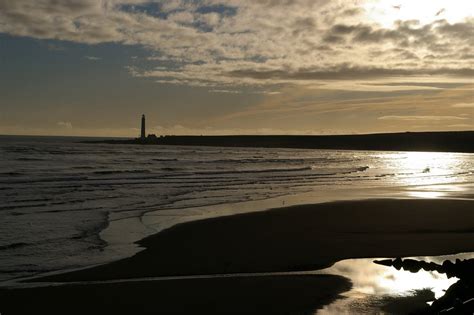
[57,195]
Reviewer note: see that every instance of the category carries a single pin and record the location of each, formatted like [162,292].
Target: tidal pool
[379,289]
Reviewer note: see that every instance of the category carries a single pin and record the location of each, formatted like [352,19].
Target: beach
[305,237]
[297,238]
[267,294]
[161,229]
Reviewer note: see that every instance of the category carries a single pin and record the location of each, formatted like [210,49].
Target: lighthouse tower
[143,134]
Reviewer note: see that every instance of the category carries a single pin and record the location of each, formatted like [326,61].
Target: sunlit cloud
[306,65]
[92,58]
[208,130]
[417,118]
[65,124]
[464,105]
[228,42]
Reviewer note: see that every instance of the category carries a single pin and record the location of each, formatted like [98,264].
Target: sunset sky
[92,67]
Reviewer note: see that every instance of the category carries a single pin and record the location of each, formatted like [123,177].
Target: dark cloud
[466,56]
[406,33]
[341,29]
[405,54]
[346,72]
[352,12]
[307,23]
[369,35]
[334,39]
[439,85]
[365,33]
[463,31]
[283,3]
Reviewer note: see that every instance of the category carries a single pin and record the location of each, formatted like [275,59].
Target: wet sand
[295,238]
[258,295]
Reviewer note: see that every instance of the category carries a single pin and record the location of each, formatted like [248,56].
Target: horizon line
[230,135]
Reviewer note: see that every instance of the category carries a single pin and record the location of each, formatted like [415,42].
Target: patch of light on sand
[456,190]
[427,194]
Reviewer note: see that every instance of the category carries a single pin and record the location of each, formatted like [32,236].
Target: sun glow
[369,278]
[372,283]
[404,282]
[387,12]
[425,169]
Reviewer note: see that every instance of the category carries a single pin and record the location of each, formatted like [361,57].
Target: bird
[398,7]
[440,11]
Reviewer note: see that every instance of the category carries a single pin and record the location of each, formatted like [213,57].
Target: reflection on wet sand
[445,191]
[382,289]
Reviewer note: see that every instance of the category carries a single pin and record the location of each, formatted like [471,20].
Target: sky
[93,67]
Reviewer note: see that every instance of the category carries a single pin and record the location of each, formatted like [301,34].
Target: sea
[65,204]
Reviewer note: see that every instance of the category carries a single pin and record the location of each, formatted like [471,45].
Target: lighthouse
[143,134]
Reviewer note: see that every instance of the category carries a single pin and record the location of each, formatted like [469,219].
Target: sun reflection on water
[371,281]
[370,278]
[425,168]
[401,281]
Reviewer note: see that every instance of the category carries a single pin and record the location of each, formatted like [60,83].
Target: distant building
[143,134]
[144,138]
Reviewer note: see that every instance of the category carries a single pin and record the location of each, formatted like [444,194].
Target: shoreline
[123,235]
[303,237]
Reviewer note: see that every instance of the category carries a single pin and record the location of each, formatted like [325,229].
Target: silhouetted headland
[450,141]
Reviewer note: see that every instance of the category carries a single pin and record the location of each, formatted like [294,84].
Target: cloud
[347,72]
[464,126]
[222,43]
[421,118]
[352,12]
[408,34]
[92,58]
[65,124]
[208,130]
[265,92]
[463,105]
[55,47]
[225,91]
